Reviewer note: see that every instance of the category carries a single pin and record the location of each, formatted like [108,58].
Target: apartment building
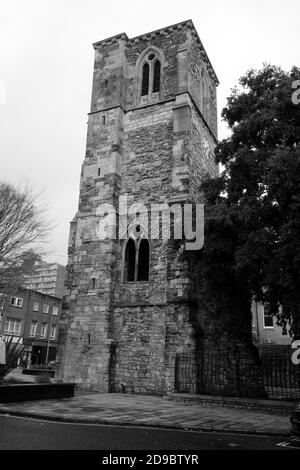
[265,330]
[47,278]
[33,319]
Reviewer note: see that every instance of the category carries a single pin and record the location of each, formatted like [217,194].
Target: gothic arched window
[204,95]
[137,258]
[151,74]
[145,79]
[143,261]
[130,260]
[156,77]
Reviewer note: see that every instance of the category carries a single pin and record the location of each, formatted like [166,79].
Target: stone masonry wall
[140,353]
[119,335]
[202,162]
[197,63]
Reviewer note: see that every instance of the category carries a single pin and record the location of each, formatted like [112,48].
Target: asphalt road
[29,434]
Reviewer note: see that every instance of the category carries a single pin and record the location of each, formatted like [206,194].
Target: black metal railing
[271,375]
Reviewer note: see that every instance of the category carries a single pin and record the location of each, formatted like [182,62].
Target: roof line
[188,23]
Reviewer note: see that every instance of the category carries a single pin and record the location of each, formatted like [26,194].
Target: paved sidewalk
[141,410]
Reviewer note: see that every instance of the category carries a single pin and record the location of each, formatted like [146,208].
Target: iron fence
[270,375]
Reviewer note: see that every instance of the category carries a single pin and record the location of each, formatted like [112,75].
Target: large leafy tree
[252,222]
[23,227]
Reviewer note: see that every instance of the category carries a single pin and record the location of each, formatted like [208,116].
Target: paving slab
[142,410]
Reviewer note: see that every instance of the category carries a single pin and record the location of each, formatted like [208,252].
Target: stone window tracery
[136,261]
[150,74]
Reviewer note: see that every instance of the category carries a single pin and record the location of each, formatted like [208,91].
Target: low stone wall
[266,406]
[28,392]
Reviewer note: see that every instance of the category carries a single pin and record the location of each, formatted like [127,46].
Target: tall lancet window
[129,267]
[145,79]
[156,77]
[136,261]
[143,261]
[150,74]
[203,94]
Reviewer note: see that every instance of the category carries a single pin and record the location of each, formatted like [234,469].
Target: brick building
[47,278]
[265,330]
[34,317]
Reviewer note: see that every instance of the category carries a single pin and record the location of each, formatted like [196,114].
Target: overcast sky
[46,64]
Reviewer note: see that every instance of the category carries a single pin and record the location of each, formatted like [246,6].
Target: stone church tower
[152,129]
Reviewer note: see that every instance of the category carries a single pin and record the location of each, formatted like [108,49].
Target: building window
[53,332]
[35,306]
[93,283]
[145,79]
[43,330]
[143,261]
[12,326]
[136,261]
[203,94]
[151,74]
[156,77]
[46,308]
[268,318]
[16,302]
[33,328]
[130,260]
[54,310]
[2,301]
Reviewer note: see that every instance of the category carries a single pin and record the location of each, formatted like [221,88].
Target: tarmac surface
[150,411]
[25,434]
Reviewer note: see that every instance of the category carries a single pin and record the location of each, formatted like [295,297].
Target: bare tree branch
[23,227]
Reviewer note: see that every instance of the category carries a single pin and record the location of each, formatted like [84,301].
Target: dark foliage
[252,220]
